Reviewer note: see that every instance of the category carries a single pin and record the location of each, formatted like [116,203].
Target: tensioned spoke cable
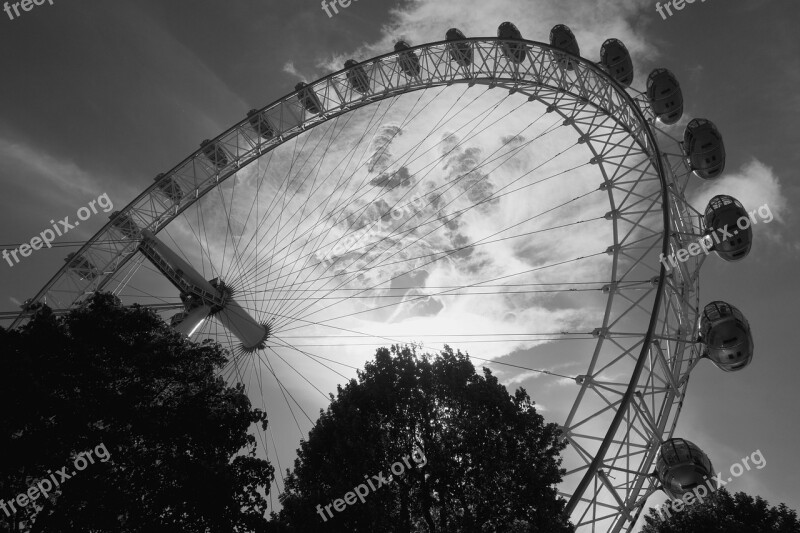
[340,209]
[386,237]
[236,261]
[443,252]
[436,126]
[448,218]
[443,335]
[432,165]
[449,251]
[294,157]
[332,327]
[269,260]
[262,355]
[298,373]
[260,434]
[302,211]
[316,358]
[377,108]
[444,155]
[445,217]
[475,341]
[550,284]
[376,296]
[496,362]
[367,129]
[536,269]
[446,255]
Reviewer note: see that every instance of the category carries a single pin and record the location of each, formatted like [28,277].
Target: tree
[723,513]
[181,456]
[490,462]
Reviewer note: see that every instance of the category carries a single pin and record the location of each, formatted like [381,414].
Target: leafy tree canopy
[724,513]
[181,456]
[490,461]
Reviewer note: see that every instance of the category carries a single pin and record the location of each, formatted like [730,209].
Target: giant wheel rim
[598,503]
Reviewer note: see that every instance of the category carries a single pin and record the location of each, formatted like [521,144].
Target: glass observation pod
[616,59]
[308,98]
[81,266]
[682,467]
[214,153]
[513,52]
[260,124]
[461,53]
[726,334]
[561,37]
[356,76]
[704,149]
[731,242]
[408,60]
[665,96]
[169,188]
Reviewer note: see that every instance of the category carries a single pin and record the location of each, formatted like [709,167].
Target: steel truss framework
[614,428]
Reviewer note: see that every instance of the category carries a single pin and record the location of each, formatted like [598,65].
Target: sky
[99,97]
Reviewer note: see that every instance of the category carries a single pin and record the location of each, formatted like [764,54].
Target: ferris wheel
[504,196]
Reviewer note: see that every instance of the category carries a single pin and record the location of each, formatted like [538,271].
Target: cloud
[392,180]
[381,156]
[519,378]
[65,175]
[289,68]
[755,184]
[423,21]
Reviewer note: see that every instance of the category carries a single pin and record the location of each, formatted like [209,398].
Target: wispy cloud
[754,184]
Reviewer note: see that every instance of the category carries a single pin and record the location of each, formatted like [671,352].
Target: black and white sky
[100,96]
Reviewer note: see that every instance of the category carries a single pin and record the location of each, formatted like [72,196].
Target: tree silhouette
[723,513]
[181,457]
[491,462]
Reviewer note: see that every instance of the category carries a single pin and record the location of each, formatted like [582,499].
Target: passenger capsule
[704,149]
[125,224]
[725,217]
[260,124]
[170,189]
[514,52]
[617,61]
[665,96]
[726,334]
[408,59]
[561,37]
[214,153]
[308,98]
[460,52]
[356,76]
[681,467]
[81,266]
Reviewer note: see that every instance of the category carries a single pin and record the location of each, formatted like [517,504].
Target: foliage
[723,513]
[491,462]
[181,455]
